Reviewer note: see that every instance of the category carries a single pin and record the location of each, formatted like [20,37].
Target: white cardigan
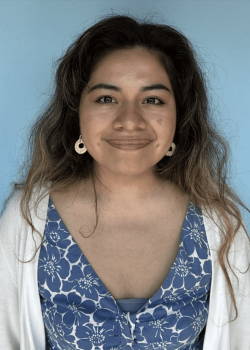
[21,321]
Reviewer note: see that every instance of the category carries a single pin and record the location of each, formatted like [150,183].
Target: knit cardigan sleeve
[9,313]
[21,322]
[221,334]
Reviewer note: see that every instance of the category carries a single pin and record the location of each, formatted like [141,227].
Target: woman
[127,236]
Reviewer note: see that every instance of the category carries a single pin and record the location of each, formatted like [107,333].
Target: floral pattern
[80,313]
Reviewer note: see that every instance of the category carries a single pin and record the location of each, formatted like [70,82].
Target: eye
[154,98]
[105,98]
[108,100]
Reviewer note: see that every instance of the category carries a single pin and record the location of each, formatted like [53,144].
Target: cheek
[91,130]
[165,125]
[164,118]
[165,133]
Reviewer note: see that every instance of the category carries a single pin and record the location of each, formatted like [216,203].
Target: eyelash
[154,98]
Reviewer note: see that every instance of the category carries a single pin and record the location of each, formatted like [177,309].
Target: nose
[130,118]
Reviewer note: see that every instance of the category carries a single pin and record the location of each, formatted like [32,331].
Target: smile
[129,144]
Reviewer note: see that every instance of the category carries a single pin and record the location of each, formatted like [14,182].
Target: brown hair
[198,168]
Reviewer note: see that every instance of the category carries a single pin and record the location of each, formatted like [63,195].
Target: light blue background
[34,33]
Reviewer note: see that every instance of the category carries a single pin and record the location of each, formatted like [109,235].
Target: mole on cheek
[159,121]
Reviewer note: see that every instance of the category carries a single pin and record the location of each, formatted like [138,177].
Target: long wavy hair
[198,168]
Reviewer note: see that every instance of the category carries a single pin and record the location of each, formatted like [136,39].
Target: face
[128,126]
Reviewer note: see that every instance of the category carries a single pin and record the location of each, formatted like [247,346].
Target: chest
[131,255]
[131,267]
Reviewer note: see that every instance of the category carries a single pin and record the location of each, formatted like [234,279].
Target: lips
[129,144]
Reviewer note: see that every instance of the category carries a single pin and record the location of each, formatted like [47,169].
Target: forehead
[129,65]
[138,57]
[128,71]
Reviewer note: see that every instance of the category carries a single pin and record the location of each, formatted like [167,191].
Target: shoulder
[11,214]
[216,230]
[14,230]
[13,210]
[239,251]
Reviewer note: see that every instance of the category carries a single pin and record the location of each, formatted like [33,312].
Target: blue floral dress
[80,313]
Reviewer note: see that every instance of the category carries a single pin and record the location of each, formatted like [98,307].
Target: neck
[125,188]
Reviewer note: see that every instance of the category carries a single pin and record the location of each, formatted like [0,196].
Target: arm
[9,312]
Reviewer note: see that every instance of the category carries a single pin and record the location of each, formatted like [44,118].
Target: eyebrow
[116,88]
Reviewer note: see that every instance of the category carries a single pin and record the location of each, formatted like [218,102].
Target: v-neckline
[107,291]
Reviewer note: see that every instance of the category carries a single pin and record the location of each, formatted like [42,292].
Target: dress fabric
[80,313]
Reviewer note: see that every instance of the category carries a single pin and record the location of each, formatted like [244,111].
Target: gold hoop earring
[78,149]
[170,153]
